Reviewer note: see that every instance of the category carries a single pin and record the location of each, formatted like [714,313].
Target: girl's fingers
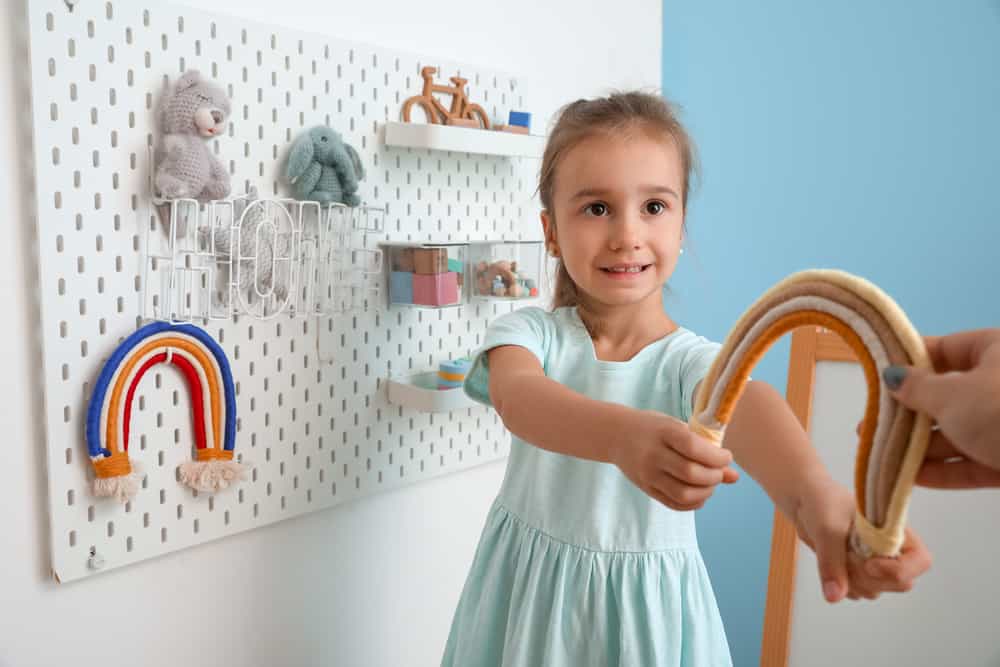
[688,471]
[861,584]
[701,450]
[682,496]
[831,560]
[865,581]
[663,498]
[913,561]
[895,574]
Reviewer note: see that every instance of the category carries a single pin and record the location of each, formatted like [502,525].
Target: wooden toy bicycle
[462,112]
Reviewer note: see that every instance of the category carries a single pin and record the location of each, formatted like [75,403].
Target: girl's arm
[658,453]
[769,443]
[549,415]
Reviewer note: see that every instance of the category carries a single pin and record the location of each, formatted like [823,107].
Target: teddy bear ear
[190,78]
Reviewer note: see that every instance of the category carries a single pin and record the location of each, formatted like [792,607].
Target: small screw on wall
[71,3]
[96,561]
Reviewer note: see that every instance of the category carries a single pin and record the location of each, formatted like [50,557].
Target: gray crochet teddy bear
[193,111]
[322,168]
[258,273]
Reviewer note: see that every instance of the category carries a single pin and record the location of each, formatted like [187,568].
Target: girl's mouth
[625,271]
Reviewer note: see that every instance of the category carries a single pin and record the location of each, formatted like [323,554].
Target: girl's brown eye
[655,207]
[596,209]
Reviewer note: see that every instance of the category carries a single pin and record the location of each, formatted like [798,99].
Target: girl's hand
[671,464]
[823,521]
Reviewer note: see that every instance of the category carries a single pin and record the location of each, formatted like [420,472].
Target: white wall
[950,617]
[370,583]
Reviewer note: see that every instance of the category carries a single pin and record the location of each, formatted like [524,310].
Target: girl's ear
[549,228]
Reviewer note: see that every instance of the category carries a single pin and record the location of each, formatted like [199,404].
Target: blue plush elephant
[322,168]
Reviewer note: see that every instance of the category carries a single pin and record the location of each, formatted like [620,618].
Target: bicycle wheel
[475,112]
[429,111]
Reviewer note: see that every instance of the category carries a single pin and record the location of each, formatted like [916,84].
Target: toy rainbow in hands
[213,401]
[893,439]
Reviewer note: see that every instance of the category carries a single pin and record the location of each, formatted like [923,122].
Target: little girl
[589,554]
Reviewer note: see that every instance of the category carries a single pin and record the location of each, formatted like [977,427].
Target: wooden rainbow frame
[893,439]
[213,401]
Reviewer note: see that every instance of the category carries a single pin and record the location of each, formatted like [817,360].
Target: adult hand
[962,395]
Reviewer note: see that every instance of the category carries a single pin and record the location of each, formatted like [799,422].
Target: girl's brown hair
[619,113]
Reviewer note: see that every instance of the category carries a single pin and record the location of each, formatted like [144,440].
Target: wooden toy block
[439,289]
[402,259]
[513,129]
[428,261]
[401,287]
[455,266]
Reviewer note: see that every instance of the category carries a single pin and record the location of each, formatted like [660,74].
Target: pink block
[438,289]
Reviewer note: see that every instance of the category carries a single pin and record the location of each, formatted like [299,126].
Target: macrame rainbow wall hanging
[893,439]
[213,401]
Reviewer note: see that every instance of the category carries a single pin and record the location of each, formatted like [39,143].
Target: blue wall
[856,135]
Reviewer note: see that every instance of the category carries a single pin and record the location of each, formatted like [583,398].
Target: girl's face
[618,219]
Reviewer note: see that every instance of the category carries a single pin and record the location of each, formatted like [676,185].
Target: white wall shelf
[420,392]
[463,140]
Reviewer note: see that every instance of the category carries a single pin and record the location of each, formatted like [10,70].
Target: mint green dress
[576,566]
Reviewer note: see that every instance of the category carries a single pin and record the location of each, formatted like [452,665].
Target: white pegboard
[313,415]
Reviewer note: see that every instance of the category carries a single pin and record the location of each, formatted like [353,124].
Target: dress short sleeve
[695,365]
[530,328]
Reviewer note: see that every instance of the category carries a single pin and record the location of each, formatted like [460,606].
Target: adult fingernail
[831,590]
[894,376]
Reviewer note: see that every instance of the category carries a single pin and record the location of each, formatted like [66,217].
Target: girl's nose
[625,233]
